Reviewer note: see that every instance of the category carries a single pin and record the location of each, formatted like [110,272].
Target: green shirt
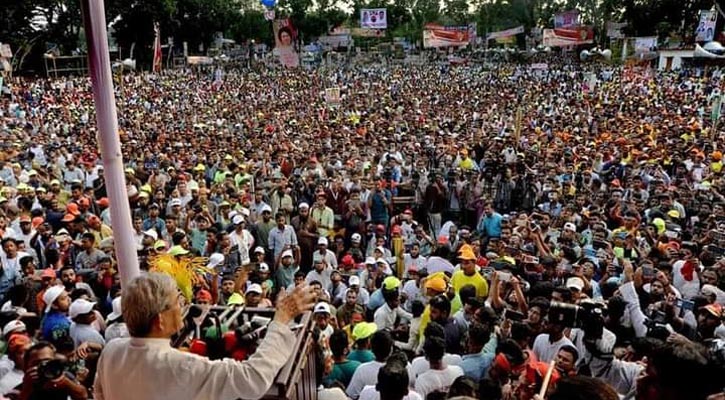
[342,372]
[361,356]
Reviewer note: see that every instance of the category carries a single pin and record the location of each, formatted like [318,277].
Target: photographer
[46,378]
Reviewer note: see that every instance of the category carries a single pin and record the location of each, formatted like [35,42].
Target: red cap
[48,273]
[83,201]
[348,260]
[380,228]
[72,208]
[198,347]
[69,218]
[397,230]
[203,295]
[103,202]
[408,211]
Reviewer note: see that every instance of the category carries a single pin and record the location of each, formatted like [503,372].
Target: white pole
[94,21]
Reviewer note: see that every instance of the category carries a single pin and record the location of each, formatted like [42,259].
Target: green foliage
[197,21]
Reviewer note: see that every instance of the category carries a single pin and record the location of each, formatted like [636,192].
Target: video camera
[50,370]
[588,316]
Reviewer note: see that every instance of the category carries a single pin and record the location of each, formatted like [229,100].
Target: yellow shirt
[460,279]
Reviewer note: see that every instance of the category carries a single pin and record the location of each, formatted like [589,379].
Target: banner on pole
[614,30]
[5,51]
[645,44]
[367,32]
[284,39]
[156,67]
[505,33]
[436,36]
[374,18]
[568,37]
[567,19]
[705,31]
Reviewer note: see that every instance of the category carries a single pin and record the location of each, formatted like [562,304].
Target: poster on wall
[374,18]
[436,36]
[645,44]
[285,36]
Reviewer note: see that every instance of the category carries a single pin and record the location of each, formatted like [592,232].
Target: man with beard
[285,274]
[440,310]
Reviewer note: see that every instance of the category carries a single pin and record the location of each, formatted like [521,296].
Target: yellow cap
[364,330]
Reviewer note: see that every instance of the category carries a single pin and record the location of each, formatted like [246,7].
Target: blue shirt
[490,225]
[476,365]
[9,276]
[376,300]
[55,325]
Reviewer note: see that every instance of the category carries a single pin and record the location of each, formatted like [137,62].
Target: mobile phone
[599,244]
[530,259]
[671,234]
[504,276]
[513,251]
[513,315]
[685,304]
[648,272]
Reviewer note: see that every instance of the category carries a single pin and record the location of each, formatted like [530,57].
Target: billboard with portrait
[374,18]
[285,39]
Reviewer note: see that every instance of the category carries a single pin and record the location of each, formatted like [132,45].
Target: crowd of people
[480,231]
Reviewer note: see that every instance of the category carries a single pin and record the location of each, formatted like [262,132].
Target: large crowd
[464,228]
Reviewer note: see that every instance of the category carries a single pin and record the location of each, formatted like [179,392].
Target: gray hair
[145,297]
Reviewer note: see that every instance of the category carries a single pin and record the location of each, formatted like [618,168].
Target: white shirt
[244,241]
[437,380]
[385,316]
[546,351]
[370,393]
[420,365]
[367,374]
[161,372]
[329,258]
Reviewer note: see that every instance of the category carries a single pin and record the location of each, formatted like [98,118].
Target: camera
[588,316]
[51,370]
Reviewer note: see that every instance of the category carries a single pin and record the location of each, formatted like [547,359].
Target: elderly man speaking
[147,367]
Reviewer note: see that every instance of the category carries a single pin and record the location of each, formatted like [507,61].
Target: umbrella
[437,264]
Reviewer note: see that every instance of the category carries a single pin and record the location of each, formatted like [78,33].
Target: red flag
[157,49]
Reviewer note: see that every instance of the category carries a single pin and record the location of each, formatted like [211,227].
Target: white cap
[287,253]
[266,208]
[575,283]
[380,249]
[13,326]
[259,249]
[303,205]
[80,307]
[152,233]
[51,295]
[254,288]
[354,280]
[322,240]
[175,202]
[245,211]
[215,259]
[238,219]
[116,309]
[569,227]
[370,260]
[321,308]
[233,214]
[356,238]
[382,261]
[263,267]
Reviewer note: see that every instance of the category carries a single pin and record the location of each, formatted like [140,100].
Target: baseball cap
[364,330]
[356,238]
[391,283]
[152,234]
[215,260]
[575,283]
[80,307]
[175,202]
[51,295]
[68,218]
[322,241]
[203,295]
[714,309]
[238,219]
[303,206]
[48,273]
[259,249]
[569,227]
[177,251]
[263,267]
[354,280]
[347,260]
[235,299]
[370,260]
[466,253]
[254,288]
[266,208]
[287,253]
[321,308]
[437,283]
[13,326]
[116,310]
[103,202]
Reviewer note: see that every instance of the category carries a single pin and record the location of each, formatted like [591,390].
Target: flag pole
[99,67]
